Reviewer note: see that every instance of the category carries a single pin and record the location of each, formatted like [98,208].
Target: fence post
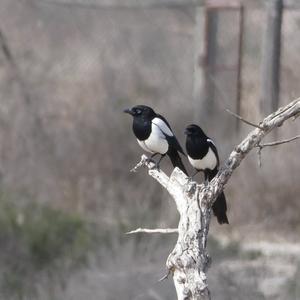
[204,46]
[199,84]
[270,83]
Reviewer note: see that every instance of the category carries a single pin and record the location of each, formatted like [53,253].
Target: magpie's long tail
[176,160]
[219,207]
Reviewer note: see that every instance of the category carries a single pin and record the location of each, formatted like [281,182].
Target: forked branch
[189,259]
[156,230]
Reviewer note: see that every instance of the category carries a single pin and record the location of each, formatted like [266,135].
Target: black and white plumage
[203,156]
[155,135]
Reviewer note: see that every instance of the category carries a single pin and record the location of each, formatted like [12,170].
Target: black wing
[172,140]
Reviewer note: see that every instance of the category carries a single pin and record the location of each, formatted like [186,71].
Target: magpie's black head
[141,111]
[194,131]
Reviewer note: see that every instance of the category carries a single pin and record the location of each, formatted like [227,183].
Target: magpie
[155,135]
[203,156]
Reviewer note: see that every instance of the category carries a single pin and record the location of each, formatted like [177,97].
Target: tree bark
[189,260]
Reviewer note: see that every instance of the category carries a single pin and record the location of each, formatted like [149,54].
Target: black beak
[128,111]
[186,131]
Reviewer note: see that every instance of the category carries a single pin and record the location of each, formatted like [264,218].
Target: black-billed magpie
[155,135]
[203,156]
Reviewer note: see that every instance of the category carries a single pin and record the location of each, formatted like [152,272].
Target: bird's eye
[138,111]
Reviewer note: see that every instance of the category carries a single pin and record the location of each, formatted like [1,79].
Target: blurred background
[68,68]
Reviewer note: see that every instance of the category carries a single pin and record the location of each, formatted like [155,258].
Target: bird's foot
[150,160]
[156,164]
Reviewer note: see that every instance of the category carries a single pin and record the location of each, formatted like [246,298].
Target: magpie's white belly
[156,142]
[209,161]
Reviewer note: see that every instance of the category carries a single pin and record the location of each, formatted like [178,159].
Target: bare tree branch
[278,142]
[189,259]
[156,230]
[141,163]
[165,276]
[242,119]
[296,116]
[272,121]
[261,146]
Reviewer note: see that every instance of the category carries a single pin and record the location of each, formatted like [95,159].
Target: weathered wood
[211,37]
[270,83]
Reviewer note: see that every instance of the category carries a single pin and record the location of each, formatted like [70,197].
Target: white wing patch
[211,141]
[156,142]
[162,126]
